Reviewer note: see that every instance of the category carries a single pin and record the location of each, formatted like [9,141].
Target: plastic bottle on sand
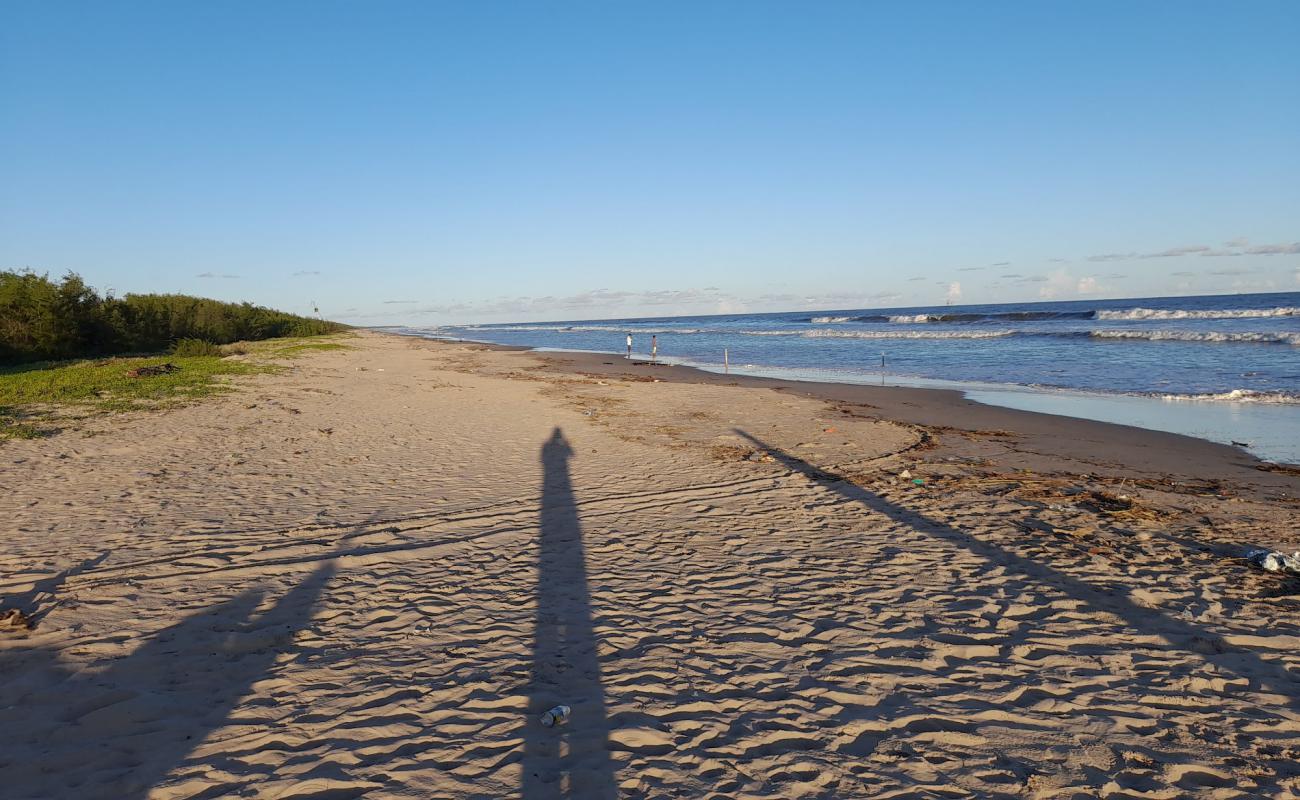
[555,716]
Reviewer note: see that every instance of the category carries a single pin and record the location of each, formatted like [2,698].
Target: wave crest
[1202,336]
[833,334]
[1209,313]
[1238,396]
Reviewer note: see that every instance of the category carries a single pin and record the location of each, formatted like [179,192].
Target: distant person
[629,345]
[654,346]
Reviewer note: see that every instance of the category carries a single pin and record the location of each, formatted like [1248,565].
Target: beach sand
[370,574]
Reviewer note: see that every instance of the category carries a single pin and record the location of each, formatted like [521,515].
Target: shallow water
[1222,367]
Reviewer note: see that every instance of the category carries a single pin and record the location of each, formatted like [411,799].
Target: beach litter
[556,716]
[1275,561]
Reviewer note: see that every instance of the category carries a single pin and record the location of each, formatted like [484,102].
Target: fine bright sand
[370,574]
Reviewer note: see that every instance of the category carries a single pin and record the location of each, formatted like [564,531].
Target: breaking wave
[1238,396]
[1209,313]
[825,333]
[1130,314]
[1236,337]
[1004,316]
[1201,336]
[916,319]
[833,334]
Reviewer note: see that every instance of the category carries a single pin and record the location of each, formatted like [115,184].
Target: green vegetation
[294,350]
[32,396]
[41,320]
[195,347]
[10,429]
[112,384]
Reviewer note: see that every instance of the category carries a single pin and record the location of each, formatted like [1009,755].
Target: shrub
[41,320]
[195,347]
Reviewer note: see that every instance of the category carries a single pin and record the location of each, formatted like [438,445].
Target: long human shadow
[1176,632]
[117,733]
[31,604]
[571,759]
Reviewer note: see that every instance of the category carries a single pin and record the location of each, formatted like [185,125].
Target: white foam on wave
[828,333]
[832,334]
[1209,313]
[912,318]
[1237,396]
[1278,337]
[830,320]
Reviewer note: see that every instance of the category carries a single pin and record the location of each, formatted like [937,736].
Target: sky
[432,163]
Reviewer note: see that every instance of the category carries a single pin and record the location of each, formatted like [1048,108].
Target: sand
[369,575]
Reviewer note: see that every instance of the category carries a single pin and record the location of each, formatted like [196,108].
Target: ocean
[1224,367]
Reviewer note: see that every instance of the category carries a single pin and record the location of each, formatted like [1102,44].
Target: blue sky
[442,162]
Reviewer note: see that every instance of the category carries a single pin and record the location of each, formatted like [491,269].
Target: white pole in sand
[726,362]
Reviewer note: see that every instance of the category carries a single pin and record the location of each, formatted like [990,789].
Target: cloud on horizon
[300,273]
[602,302]
[214,275]
[1235,247]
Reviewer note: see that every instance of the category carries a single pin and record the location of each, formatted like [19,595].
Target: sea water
[1225,368]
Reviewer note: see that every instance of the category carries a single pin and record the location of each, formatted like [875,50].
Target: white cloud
[954,292]
[608,303]
[1061,285]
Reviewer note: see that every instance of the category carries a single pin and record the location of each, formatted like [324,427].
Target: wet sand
[370,574]
[1056,440]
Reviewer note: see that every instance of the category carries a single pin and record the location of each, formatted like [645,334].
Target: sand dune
[370,575]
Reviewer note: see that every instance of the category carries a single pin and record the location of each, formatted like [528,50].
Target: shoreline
[1061,440]
[1197,394]
[396,556]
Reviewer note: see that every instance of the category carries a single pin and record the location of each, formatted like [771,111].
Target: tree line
[45,320]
